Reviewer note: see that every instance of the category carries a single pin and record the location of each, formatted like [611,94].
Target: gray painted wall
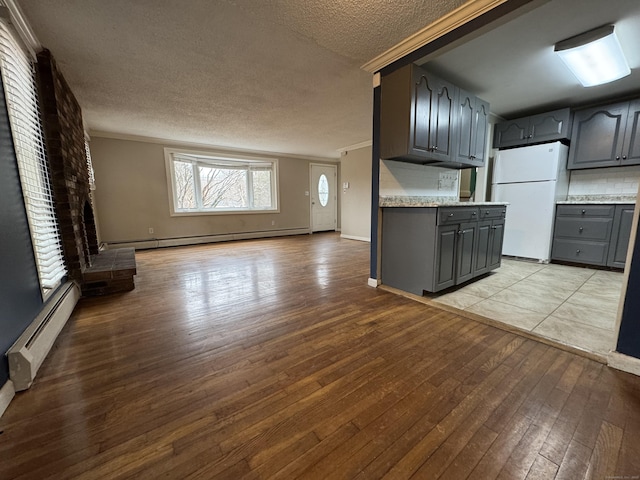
[20,298]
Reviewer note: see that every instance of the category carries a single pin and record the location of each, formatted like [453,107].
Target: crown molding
[449,22]
[22,26]
[355,146]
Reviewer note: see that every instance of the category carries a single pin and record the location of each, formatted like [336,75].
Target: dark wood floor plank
[274,359]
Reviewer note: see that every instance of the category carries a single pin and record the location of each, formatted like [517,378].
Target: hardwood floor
[273,359]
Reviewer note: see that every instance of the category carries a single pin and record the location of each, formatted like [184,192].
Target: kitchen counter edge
[386,202]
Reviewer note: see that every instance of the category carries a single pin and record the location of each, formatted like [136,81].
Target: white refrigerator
[531,179]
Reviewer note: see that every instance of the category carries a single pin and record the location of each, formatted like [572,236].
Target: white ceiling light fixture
[595,57]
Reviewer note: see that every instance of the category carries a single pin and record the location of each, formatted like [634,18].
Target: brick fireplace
[65,144]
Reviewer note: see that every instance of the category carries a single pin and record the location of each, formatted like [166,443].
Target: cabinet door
[495,244]
[445,271]
[480,133]
[597,136]
[465,113]
[442,120]
[631,148]
[425,91]
[472,124]
[620,236]
[464,252]
[483,246]
[549,126]
[511,134]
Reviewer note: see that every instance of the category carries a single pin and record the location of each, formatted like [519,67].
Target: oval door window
[323,190]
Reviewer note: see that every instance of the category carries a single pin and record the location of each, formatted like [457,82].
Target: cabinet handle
[474,213]
[451,214]
[580,229]
[494,227]
[461,232]
[618,157]
[487,212]
[584,211]
[624,157]
[577,251]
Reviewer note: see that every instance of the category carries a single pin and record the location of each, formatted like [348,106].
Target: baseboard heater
[30,350]
[197,240]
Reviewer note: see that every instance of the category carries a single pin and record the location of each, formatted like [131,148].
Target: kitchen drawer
[490,213]
[457,215]
[586,210]
[594,253]
[584,228]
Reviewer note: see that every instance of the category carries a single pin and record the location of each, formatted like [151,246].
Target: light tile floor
[573,305]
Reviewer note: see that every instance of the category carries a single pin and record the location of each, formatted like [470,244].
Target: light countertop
[598,199]
[405,201]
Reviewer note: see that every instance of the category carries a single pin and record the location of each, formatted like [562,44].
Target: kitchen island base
[433,248]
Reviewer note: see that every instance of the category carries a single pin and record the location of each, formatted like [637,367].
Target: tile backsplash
[605,181]
[406,179]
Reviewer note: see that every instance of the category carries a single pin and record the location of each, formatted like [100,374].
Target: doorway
[324,197]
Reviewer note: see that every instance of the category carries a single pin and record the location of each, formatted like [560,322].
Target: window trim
[170,153]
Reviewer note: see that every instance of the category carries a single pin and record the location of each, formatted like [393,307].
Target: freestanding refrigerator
[531,179]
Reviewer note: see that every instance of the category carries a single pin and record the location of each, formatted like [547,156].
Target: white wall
[355,169]
[407,179]
[132,196]
[621,181]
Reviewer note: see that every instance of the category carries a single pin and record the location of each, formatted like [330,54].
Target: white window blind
[92,178]
[24,115]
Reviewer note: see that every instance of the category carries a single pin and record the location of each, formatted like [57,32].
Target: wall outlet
[273,222]
[306,193]
[150,230]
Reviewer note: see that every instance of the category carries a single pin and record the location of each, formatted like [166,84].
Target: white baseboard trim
[184,241]
[623,362]
[7,392]
[373,282]
[355,237]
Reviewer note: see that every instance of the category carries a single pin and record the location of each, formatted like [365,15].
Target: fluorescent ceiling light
[595,57]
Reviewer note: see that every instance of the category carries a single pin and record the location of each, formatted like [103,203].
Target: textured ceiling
[272,75]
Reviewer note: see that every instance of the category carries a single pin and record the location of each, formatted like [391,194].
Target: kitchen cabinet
[423,121]
[488,252]
[592,234]
[433,248]
[544,127]
[606,136]
[472,125]
[620,233]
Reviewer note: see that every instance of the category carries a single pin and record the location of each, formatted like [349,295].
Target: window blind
[18,76]
[92,178]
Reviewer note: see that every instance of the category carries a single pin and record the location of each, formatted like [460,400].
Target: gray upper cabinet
[422,120]
[606,136]
[472,117]
[544,127]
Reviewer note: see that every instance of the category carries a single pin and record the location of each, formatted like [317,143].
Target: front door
[323,197]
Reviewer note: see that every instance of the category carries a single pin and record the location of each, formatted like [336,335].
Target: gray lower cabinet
[620,236]
[592,234]
[433,248]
